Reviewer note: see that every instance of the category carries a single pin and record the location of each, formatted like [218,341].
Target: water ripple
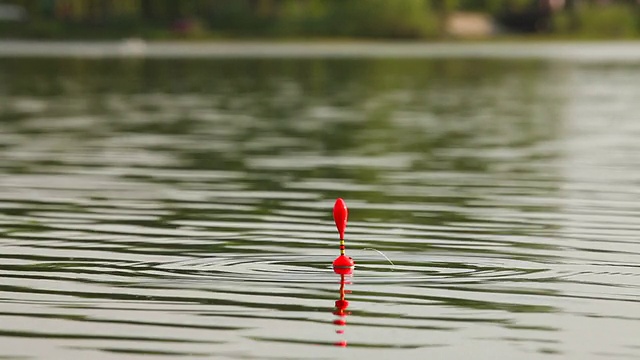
[144,213]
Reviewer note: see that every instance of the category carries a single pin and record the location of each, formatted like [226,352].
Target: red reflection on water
[341,308]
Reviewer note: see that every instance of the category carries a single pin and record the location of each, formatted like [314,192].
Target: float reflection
[341,305]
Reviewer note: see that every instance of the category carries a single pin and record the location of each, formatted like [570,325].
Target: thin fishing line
[381,253]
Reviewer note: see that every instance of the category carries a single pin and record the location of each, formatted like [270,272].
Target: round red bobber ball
[343,264]
[343,261]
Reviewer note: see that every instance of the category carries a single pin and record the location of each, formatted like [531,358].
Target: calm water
[181,208]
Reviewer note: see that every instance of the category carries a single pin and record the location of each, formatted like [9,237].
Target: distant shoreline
[577,51]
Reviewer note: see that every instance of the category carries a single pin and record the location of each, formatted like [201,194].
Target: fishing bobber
[343,264]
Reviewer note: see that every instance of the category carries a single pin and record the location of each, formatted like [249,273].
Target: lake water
[156,207]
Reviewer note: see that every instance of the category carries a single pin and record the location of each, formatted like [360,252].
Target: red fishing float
[343,264]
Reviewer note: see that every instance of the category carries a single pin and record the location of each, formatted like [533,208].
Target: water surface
[181,207]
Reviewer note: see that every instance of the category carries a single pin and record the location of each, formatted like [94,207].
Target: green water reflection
[189,198]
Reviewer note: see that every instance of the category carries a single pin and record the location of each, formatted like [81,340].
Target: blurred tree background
[398,19]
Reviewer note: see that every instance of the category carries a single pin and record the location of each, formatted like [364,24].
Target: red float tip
[340,214]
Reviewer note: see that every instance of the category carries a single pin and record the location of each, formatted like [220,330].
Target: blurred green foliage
[409,19]
[383,18]
[614,21]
